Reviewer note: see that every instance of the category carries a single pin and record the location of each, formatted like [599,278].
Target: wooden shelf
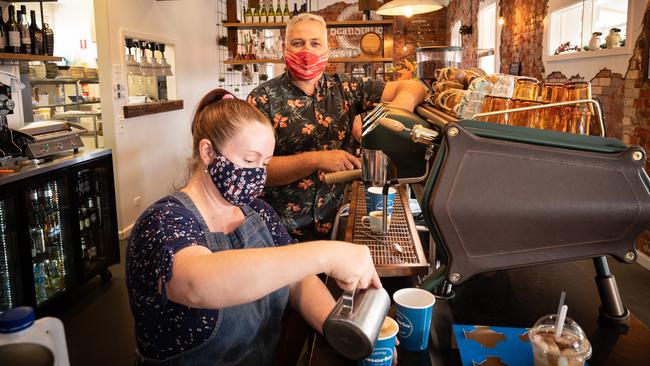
[330,24]
[367,60]
[63,81]
[136,110]
[24,57]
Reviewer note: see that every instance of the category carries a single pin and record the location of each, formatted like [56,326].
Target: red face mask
[305,65]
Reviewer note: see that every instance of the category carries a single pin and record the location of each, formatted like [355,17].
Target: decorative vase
[613,40]
[595,42]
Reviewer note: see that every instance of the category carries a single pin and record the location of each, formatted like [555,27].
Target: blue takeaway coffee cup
[414,307]
[384,348]
[375,200]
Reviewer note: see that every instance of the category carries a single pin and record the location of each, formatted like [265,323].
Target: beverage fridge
[58,229]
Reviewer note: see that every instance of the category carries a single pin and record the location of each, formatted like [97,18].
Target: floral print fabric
[164,328]
[238,185]
[322,121]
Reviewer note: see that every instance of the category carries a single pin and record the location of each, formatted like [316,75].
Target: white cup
[373,221]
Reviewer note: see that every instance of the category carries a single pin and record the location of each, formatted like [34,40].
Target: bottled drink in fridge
[38,240]
[25,37]
[55,275]
[40,282]
[13,32]
[36,34]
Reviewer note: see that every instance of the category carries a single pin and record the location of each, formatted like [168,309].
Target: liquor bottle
[249,15]
[286,15]
[36,34]
[263,14]
[13,32]
[278,13]
[3,32]
[48,39]
[256,15]
[295,10]
[271,14]
[25,38]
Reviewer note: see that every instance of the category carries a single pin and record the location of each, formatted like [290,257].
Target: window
[456,39]
[487,17]
[576,21]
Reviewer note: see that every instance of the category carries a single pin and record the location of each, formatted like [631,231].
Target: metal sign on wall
[347,37]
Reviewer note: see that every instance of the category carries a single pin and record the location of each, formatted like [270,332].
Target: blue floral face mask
[238,185]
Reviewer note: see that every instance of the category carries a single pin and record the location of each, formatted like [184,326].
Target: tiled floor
[99,326]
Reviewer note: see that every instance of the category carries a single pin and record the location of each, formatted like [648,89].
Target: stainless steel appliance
[46,138]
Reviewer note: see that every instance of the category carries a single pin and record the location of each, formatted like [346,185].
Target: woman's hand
[351,266]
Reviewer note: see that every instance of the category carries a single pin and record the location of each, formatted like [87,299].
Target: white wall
[583,63]
[150,152]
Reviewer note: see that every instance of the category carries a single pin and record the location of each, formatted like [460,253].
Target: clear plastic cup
[572,348]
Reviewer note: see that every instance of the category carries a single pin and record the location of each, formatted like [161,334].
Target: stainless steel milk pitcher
[354,324]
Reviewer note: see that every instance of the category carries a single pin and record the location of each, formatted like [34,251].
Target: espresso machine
[499,197]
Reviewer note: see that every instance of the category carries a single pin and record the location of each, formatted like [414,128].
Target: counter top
[517,298]
[27,169]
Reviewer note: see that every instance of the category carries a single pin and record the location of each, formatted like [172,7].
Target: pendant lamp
[408,8]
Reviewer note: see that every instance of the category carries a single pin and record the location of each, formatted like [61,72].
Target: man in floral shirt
[315,118]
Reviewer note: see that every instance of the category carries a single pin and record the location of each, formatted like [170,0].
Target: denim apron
[245,334]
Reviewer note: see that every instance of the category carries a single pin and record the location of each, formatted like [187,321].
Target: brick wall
[522,35]
[420,30]
[466,11]
[635,126]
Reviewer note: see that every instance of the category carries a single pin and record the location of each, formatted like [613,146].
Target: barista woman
[209,271]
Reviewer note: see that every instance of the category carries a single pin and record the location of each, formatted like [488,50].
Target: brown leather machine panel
[500,204]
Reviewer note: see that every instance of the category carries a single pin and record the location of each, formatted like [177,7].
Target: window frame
[455,34]
[555,5]
[483,52]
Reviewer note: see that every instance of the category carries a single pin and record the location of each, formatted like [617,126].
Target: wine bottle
[295,10]
[25,38]
[263,14]
[286,15]
[13,32]
[256,15]
[48,39]
[271,14]
[278,13]
[3,32]
[249,15]
[36,35]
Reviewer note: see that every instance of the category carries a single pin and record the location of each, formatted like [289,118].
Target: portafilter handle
[342,176]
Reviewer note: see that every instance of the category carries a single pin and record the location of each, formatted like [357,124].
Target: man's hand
[336,161]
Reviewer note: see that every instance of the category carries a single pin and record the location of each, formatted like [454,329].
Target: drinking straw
[559,323]
[559,306]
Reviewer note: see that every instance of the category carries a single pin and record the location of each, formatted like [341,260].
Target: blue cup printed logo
[375,200]
[379,357]
[405,325]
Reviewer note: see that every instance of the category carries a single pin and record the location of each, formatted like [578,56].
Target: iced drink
[572,348]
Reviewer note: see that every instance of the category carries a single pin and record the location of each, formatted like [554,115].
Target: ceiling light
[408,8]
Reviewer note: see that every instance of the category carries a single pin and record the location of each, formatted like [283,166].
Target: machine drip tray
[402,231]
